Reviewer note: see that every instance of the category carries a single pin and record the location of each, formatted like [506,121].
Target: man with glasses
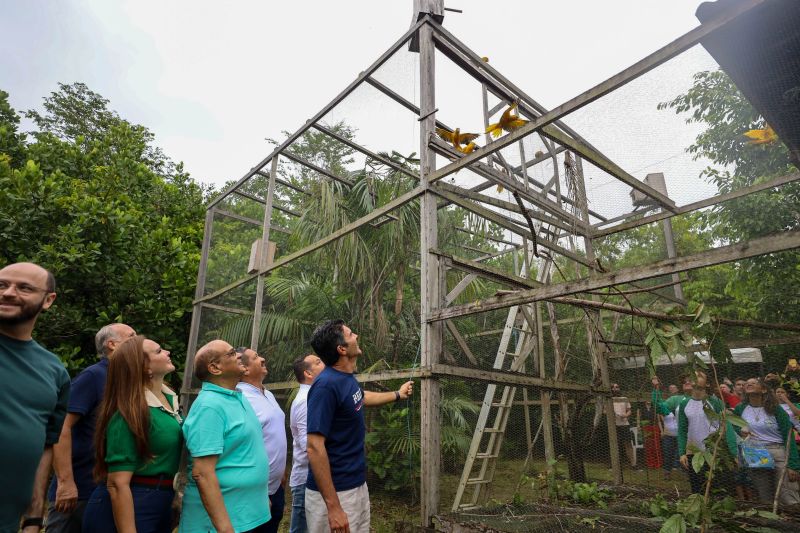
[73,456]
[34,396]
[228,471]
[273,429]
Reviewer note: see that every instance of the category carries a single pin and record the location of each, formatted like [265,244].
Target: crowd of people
[110,443]
[761,435]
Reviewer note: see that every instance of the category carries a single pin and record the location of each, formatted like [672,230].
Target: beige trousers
[355,503]
[765,480]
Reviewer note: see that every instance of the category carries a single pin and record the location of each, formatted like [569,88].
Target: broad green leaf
[674,524]
[698,461]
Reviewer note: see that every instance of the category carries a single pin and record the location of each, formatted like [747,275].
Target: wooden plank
[606,165]
[631,73]
[297,159]
[714,200]
[325,110]
[372,155]
[507,181]
[501,221]
[285,183]
[255,332]
[581,229]
[486,271]
[725,254]
[431,294]
[513,378]
[451,327]
[226,309]
[338,234]
[367,377]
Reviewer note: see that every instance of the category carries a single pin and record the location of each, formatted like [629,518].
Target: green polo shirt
[164,437]
[221,422]
[34,397]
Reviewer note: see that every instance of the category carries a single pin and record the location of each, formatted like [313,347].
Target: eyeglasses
[21,288]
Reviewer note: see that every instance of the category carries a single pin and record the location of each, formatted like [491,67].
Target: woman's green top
[165,439]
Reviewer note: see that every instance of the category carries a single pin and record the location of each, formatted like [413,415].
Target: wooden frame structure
[548,216]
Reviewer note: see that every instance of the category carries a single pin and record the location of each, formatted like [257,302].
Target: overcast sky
[212,80]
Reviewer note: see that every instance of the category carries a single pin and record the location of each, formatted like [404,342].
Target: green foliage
[119,225]
[392,451]
[590,494]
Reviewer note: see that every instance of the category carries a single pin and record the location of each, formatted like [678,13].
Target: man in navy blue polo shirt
[73,455]
[337,498]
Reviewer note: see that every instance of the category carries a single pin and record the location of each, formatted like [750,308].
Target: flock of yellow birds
[465,142]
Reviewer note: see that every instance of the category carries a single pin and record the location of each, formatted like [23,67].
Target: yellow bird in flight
[763,136]
[456,138]
[508,122]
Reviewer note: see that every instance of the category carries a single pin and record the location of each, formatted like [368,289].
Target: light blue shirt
[297,423]
[222,422]
[273,430]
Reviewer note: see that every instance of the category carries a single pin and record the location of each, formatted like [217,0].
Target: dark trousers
[277,502]
[71,522]
[151,508]
[669,448]
[697,480]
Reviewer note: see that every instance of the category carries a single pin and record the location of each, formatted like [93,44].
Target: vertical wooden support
[596,348]
[264,255]
[430,291]
[197,310]
[669,239]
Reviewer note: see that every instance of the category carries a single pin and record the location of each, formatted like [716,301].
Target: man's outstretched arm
[374,399]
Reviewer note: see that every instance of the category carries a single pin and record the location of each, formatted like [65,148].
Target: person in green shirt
[34,397]
[768,426]
[138,443]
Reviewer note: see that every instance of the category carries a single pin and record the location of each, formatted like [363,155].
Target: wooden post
[431,296]
[264,255]
[598,349]
[197,310]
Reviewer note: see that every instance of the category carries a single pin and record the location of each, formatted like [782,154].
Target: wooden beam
[451,327]
[681,318]
[512,378]
[325,110]
[285,183]
[606,165]
[714,200]
[509,206]
[725,254]
[336,235]
[486,271]
[477,67]
[631,73]
[509,182]
[316,168]
[368,377]
[432,287]
[355,146]
[225,309]
[501,221]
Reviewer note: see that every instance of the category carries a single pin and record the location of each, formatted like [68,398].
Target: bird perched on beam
[762,136]
[456,138]
[508,122]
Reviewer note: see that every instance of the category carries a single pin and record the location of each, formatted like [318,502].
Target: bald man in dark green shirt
[34,397]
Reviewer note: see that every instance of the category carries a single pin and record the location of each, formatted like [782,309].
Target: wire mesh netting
[528,419]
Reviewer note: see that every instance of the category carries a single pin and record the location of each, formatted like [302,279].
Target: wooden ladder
[487,440]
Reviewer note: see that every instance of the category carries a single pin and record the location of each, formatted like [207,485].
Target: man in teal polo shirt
[34,397]
[228,488]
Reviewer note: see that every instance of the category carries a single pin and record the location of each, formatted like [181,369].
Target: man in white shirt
[306,368]
[273,429]
[622,413]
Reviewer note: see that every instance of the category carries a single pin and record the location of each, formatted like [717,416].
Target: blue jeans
[151,509]
[298,523]
[669,447]
[58,522]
